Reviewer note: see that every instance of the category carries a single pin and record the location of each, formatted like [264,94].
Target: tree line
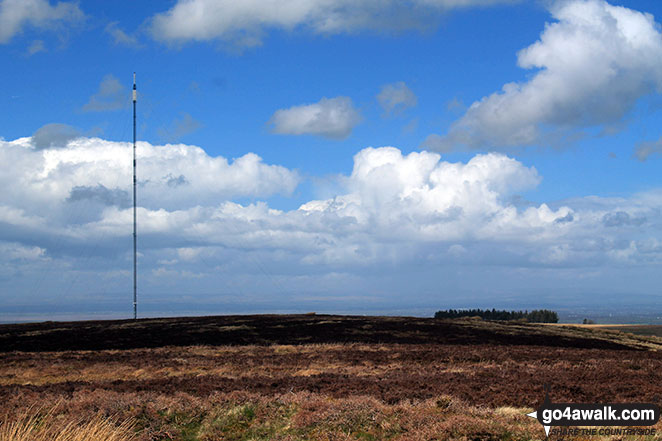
[535,316]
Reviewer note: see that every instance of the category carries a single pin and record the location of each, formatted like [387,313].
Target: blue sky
[331,155]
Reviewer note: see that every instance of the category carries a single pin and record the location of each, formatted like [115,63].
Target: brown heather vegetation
[358,389]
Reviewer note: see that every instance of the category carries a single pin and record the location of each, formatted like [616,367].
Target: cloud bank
[590,67]
[68,209]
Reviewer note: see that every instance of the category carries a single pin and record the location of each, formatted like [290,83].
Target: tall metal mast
[135,237]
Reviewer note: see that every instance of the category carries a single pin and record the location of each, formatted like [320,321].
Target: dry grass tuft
[512,411]
[47,427]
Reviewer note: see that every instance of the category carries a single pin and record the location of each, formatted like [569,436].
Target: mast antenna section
[135,235]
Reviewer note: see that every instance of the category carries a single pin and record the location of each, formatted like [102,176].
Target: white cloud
[418,198]
[112,95]
[330,117]
[592,64]
[245,22]
[91,174]
[16,14]
[396,98]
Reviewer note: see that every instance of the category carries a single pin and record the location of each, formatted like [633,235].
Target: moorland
[309,377]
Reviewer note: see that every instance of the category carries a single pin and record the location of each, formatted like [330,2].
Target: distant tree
[588,322]
[535,316]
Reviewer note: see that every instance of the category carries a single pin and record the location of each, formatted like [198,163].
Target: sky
[330,155]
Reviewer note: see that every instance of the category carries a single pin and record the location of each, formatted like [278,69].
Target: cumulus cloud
[112,95]
[591,66]
[91,169]
[245,23]
[417,197]
[16,14]
[330,117]
[396,98]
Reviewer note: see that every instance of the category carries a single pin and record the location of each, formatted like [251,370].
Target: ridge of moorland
[295,329]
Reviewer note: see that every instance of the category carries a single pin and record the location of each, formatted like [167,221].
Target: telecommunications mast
[135,237]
